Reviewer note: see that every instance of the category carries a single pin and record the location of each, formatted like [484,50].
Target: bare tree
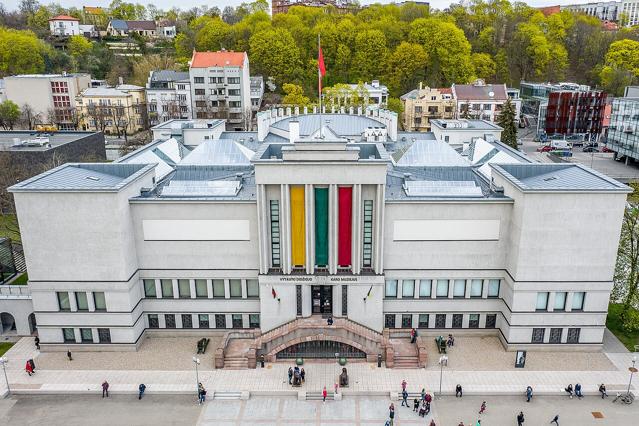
[29,118]
[120,118]
[98,115]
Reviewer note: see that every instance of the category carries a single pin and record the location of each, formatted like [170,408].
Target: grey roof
[34,141]
[84,177]
[428,153]
[169,75]
[119,24]
[557,177]
[341,124]
[219,152]
[480,92]
[465,124]
[104,91]
[165,154]
[230,182]
[437,182]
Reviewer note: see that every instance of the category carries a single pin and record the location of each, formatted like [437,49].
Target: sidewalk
[365,378]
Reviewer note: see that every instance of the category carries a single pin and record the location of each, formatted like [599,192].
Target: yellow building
[113,110]
[425,104]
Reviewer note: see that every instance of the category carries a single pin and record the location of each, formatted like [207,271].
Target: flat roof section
[33,141]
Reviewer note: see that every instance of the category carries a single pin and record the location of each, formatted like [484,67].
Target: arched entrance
[7,323]
[320,349]
[33,326]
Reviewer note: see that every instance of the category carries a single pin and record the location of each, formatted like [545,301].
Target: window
[424,288]
[63,301]
[298,299]
[81,301]
[407,321]
[422,321]
[440,321]
[491,321]
[234,104]
[187,321]
[459,288]
[391,288]
[86,336]
[389,320]
[236,320]
[200,104]
[254,320]
[212,80]
[218,288]
[473,321]
[418,110]
[203,320]
[99,301]
[169,320]
[442,288]
[181,87]
[198,80]
[184,289]
[252,288]
[493,288]
[542,301]
[201,289]
[104,335]
[233,80]
[573,335]
[538,335]
[408,288]
[560,301]
[578,301]
[167,288]
[458,320]
[367,251]
[68,335]
[220,321]
[236,288]
[345,300]
[487,107]
[149,288]
[154,322]
[476,288]
[275,233]
[555,335]
[234,92]
[200,92]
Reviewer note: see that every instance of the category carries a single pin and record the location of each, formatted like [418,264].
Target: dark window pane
[344,300]
[440,321]
[573,335]
[236,288]
[220,321]
[538,335]
[69,335]
[149,288]
[389,321]
[86,335]
[298,299]
[104,335]
[458,320]
[153,321]
[63,301]
[236,320]
[473,321]
[254,320]
[187,321]
[555,335]
[81,301]
[99,301]
[201,289]
[167,288]
[491,320]
[407,321]
[184,289]
[423,321]
[203,320]
[218,288]
[169,320]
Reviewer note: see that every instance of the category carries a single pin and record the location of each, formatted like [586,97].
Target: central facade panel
[321,226]
[345,195]
[298,226]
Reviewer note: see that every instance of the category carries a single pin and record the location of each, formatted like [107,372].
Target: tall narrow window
[236,288]
[86,335]
[391,288]
[68,335]
[458,320]
[367,252]
[167,288]
[491,321]
[298,299]
[99,301]
[578,301]
[63,300]
[184,289]
[187,321]
[440,320]
[573,335]
[476,287]
[104,335]
[423,321]
[538,335]
[389,320]
[442,288]
[236,320]
[493,288]
[408,288]
[275,233]
[218,288]
[345,300]
[424,288]
[560,301]
[252,288]
[169,320]
[203,320]
[459,288]
[149,288]
[473,321]
[81,301]
[298,226]
[254,320]
[542,301]
[154,321]
[201,289]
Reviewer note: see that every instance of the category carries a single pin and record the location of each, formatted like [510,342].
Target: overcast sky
[185,4]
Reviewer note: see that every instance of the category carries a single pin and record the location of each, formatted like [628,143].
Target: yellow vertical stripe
[298,226]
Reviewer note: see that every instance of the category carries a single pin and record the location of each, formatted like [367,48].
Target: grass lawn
[614,324]
[5,346]
[21,280]
[7,225]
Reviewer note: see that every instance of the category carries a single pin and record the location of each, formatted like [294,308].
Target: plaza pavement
[365,378]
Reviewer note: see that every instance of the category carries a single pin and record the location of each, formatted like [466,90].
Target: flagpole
[319,86]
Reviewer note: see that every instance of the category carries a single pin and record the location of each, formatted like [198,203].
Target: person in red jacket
[324,394]
[29,368]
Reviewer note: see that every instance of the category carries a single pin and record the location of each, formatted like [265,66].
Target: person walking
[336,387]
[105,389]
[391,412]
[458,391]
[555,420]
[141,390]
[37,343]
[423,394]
[482,408]
[201,394]
[602,391]
[432,422]
[290,375]
[529,393]
[405,398]
[28,368]
[578,390]
[413,335]
[303,375]
[324,394]
[404,385]
[416,404]
[520,419]
[69,355]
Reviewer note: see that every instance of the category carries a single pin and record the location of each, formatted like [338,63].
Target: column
[263,233]
[345,226]
[285,230]
[378,239]
[307,309]
[192,288]
[337,300]
[90,301]
[176,292]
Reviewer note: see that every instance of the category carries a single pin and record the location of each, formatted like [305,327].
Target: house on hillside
[64,26]
[121,28]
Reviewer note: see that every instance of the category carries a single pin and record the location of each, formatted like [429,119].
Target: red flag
[320,63]
[273,292]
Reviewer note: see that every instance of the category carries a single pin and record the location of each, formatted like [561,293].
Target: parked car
[606,149]
[589,144]
[545,148]
[590,149]
[561,152]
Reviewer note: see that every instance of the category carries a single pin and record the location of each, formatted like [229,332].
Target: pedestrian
[105,389]
[569,390]
[37,343]
[69,355]
[388,423]
[141,390]
[451,340]
[602,391]
[555,420]
[405,398]
[324,394]
[290,375]
[578,391]
[303,375]
[458,391]
[428,398]
[336,387]
[529,393]
[391,412]
[404,385]
[423,394]
[201,394]
[415,404]
[520,419]
[32,364]
[482,408]
[28,368]
[432,422]
[478,422]
[413,335]
[461,424]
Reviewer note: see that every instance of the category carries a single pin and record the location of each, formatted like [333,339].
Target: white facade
[630,8]
[168,95]
[64,26]
[604,10]
[246,231]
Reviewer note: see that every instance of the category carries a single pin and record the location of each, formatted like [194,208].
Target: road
[182,410]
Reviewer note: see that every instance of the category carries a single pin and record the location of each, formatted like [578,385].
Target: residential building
[461,132]
[341,95]
[51,97]
[257,92]
[374,93]
[604,10]
[482,101]
[116,110]
[341,6]
[168,96]
[221,87]
[122,28]
[571,112]
[425,104]
[343,216]
[630,10]
[631,92]
[64,25]
[549,10]
[88,31]
[623,131]
[166,29]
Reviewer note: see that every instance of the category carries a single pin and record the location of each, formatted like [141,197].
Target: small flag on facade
[369,292]
[273,292]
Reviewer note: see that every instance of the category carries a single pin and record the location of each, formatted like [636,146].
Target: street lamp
[196,361]
[632,370]
[4,362]
[442,359]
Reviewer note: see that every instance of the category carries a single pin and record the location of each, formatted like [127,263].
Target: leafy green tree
[622,66]
[485,67]
[395,105]
[405,68]
[213,34]
[294,95]
[78,46]
[123,10]
[529,52]
[9,114]
[370,51]
[506,120]
[626,278]
[20,52]
[274,54]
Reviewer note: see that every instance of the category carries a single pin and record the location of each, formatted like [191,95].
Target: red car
[604,149]
[545,148]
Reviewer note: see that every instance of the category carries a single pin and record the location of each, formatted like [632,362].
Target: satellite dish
[491,94]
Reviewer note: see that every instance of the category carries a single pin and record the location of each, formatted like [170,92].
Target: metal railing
[14,291]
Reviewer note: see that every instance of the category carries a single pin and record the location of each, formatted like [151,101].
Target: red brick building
[575,112]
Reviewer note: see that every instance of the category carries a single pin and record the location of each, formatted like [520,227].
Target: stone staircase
[406,361]
[405,354]
[235,354]
[227,395]
[317,396]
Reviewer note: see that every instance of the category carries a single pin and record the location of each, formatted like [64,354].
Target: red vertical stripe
[345,226]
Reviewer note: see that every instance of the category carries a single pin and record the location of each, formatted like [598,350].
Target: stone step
[227,395]
[317,396]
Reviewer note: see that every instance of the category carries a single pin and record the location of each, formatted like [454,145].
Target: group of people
[201,394]
[577,390]
[296,376]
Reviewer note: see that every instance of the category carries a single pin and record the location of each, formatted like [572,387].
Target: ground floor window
[389,321]
[458,320]
[473,321]
[68,335]
[154,322]
[86,335]
[236,319]
[104,335]
[573,335]
[491,320]
[423,321]
[254,320]
[187,321]
[538,335]
[344,300]
[220,321]
[407,321]
[203,320]
[298,299]
[555,335]
[440,321]
[169,321]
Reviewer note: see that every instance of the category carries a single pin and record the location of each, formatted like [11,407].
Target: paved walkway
[365,378]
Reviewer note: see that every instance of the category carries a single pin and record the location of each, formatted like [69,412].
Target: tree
[9,114]
[78,46]
[622,66]
[395,105]
[274,54]
[370,51]
[20,53]
[485,67]
[294,95]
[626,278]
[405,68]
[506,120]
[29,117]
[145,64]
[213,34]
[124,10]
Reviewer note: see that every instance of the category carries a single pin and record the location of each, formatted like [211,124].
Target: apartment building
[51,97]
[221,87]
[168,96]
[425,104]
[64,25]
[623,131]
[482,101]
[116,110]
[257,92]
[604,10]
[630,9]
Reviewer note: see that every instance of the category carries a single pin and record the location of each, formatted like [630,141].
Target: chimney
[120,80]
[420,85]
[293,131]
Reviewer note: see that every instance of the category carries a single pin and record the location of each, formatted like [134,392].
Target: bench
[202,344]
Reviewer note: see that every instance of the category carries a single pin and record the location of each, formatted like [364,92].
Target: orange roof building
[549,10]
[222,58]
[64,18]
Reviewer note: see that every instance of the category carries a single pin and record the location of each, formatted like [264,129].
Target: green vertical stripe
[321,226]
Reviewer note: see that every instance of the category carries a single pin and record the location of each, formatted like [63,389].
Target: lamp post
[632,370]
[196,361]
[442,359]
[4,362]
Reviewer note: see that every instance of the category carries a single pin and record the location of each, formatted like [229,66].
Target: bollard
[379,360]
[262,361]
